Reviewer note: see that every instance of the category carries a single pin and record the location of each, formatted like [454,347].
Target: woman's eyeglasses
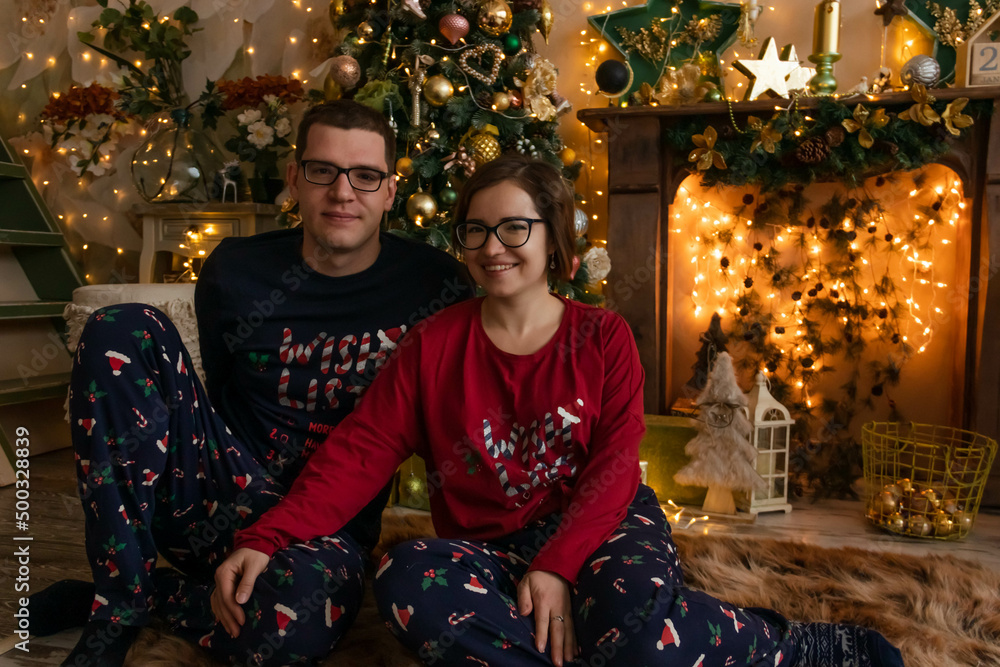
[512,232]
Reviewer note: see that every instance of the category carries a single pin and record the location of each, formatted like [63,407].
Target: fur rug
[941,612]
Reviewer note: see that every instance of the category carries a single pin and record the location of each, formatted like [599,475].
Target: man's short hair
[347,115]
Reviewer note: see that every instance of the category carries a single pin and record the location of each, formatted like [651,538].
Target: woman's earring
[552,262]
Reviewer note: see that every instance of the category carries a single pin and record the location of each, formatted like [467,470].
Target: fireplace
[668,276]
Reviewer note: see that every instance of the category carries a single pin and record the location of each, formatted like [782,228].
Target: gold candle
[826,31]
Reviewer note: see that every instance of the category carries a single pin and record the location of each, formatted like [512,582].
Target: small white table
[194,230]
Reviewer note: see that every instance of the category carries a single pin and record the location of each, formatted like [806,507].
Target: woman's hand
[547,594]
[243,567]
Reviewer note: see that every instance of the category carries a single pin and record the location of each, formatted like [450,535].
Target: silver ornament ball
[580,222]
[921,69]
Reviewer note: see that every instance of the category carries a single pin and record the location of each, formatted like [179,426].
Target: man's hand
[547,594]
[242,567]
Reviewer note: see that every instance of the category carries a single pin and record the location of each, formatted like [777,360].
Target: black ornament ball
[779,330]
[812,292]
[772,366]
[877,390]
[807,362]
[888,238]
[895,338]
[747,199]
[724,262]
[744,311]
[613,77]
[872,229]
[748,283]
[796,296]
[758,246]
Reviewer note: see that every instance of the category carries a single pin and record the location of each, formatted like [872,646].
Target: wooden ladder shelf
[37,243]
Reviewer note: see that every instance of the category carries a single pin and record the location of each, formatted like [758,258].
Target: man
[293,326]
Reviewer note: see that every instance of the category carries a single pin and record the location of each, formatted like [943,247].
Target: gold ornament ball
[485,147]
[887,503]
[568,156]
[949,505]
[943,524]
[896,523]
[906,485]
[415,487]
[962,521]
[919,525]
[438,90]
[421,206]
[501,101]
[932,497]
[495,17]
[404,167]
[365,30]
[336,11]
[433,134]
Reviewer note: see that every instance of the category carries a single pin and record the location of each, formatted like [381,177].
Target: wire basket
[925,480]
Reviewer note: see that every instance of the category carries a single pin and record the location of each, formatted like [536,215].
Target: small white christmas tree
[722,457]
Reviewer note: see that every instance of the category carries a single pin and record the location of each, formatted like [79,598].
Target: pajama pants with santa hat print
[159,472]
[454,602]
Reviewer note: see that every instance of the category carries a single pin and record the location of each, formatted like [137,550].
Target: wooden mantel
[644,175]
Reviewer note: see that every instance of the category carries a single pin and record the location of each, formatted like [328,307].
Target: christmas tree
[713,343]
[722,457]
[461,84]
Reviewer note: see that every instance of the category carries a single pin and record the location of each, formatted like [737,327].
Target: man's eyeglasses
[364,179]
[512,232]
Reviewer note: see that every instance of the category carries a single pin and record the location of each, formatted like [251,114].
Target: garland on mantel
[838,141]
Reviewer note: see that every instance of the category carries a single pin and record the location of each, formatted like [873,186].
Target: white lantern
[771,424]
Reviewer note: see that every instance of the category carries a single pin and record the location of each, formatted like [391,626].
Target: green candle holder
[823,83]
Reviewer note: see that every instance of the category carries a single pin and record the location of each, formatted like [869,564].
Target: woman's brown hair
[549,191]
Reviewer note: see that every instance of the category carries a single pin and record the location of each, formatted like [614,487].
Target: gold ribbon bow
[862,121]
[705,155]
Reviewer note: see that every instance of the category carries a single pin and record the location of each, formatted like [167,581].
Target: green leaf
[186,15]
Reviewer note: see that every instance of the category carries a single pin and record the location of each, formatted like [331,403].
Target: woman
[527,408]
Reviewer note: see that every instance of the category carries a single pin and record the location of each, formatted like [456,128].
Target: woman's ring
[558,618]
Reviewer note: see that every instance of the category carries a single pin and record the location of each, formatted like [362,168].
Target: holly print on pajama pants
[454,602]
[159,472]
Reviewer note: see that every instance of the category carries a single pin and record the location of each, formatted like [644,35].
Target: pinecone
[886,147]
[812,151]
[835,136]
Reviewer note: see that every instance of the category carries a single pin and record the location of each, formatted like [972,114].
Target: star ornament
[890,9]
[768,75]
[799,78]
[672,17]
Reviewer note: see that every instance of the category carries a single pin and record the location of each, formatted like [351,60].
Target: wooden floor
[57,550]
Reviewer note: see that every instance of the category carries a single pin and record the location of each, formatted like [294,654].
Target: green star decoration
[673,17]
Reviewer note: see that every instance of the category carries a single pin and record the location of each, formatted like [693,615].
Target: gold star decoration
[768,74]
[799,78]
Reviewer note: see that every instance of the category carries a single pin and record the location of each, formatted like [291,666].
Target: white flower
[261,134]
[249,117]
[598,264]
[283,127]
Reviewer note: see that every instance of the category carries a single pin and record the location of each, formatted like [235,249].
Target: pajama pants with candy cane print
[159,471]
[454,602]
